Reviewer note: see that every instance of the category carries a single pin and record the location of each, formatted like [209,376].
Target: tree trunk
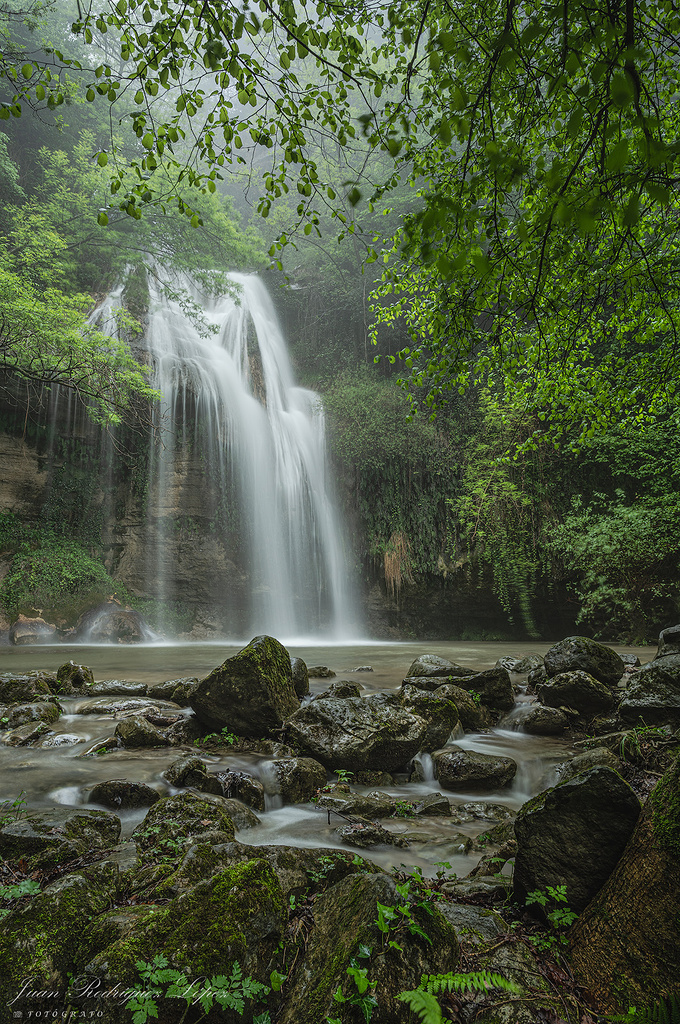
[626,945]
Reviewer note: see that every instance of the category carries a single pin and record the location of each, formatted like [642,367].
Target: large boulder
[137,732]
[56,836]
[653,694]
[344,922]
[468,769]
[431,665]
[175,820]
[669,642]
[440,714]
[578,690]
[493,686]
[354,734]
[580,653]
[544,721]
[25,630]
[574,834]
[252,694]
[111,623]
[119,795]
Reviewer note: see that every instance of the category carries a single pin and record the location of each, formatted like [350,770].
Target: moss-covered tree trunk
[626,944]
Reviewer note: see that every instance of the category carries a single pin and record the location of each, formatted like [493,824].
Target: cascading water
[229,402]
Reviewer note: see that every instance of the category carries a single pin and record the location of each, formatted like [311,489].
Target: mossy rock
[38,711]
[237,915]
[137,732]
[298,778]
[20,689]
[252,694]
[73,679]
[124,795]
[578,690]
[344,920]
[493,686]
[580,653]
[432,666]
[472,715]
[58,836]
[440,714]
[176,819]
[300,676]
[653,695]
[39,939]
[464,770]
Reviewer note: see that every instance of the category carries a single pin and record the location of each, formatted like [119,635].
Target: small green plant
[15,891]
[395,919]
[214,739]
[476,697]
[404,809]
[559,918]
[422,1000]
[361,995]
[230,992]
[11,810]
[324,866]
[667,1011]
[344,777]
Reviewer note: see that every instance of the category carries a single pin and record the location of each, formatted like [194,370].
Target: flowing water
[228,390]
[52,774]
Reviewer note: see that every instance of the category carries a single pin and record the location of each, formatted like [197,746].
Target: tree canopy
[540,141]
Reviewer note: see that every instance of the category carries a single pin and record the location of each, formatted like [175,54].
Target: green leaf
[102,159]
[618,156]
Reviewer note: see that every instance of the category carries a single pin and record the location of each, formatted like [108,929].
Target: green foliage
[560,918]
[627,557]
[402,916]
[221,738]
[229,992]
[403,809]
[17,891]
[666,1011]
[11,810]
[422,1000]
[361,994]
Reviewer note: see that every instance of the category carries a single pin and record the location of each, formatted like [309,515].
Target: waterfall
[241,462]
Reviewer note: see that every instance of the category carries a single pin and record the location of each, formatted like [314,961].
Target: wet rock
[110,623]
[341,688]
[40,711]
[434,805]
[16,689]
[242,816]
[25,630]
[440,714]
[473,717]
[298,778]
[25,735]
[137,732]
[73,679]
[653,694]
[362,668]
[102,747]
[356,734]
[124,706]
[580,653]
[669,642]
[165,690]
[57,836]
[252,694]
[119,795]
[175,820]
[482,888]
[185,732]
[536,678]
[468,769]
[431,665]
[120,687]
[529,663]
[574,834]
[61,739]
[597,757]
[243,787]
[507,663]
[190,771]
[320,672]
[364,834]
[371,805]
[493,686]
[545,721]
[481,810]
[344,919]
[577,690]
[300,676]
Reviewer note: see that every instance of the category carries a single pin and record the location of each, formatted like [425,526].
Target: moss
[665,802]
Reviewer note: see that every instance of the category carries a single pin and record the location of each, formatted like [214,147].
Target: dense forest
[506,459]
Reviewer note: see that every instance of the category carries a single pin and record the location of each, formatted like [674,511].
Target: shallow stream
[52,774]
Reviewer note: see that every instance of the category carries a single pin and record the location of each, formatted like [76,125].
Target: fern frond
[424,1004]
[474,981]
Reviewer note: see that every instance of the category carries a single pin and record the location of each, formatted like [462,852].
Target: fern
[422,1000]
[667,1011]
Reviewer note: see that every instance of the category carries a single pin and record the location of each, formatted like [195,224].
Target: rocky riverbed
[244,819]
